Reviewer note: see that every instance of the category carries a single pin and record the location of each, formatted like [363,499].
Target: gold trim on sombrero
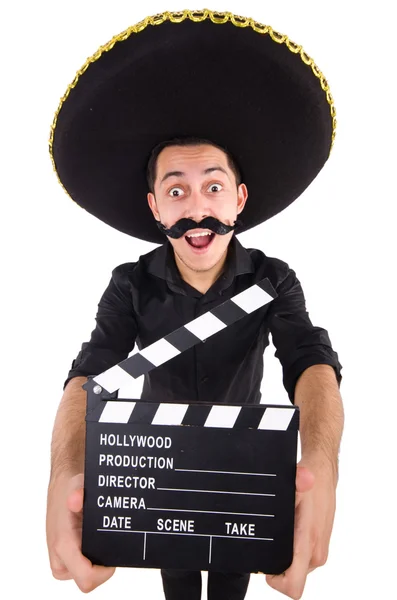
[198,16]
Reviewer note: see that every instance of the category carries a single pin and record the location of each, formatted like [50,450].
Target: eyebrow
[182,174]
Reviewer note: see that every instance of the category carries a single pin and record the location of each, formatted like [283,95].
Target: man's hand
[314,516]
[64,525]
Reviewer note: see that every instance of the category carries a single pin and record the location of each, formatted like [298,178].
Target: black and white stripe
[187,336]
[279,418]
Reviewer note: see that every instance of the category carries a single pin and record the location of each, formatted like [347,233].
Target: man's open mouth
[200,240]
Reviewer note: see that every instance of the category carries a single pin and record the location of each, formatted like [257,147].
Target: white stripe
[226,472]
[117,412]
[159,352]
[251,299]
[276,418]
[132,390]
[170,414]
[222,416]
[229,537]
[211,512]
[112,379]
[206,325]
[214,492]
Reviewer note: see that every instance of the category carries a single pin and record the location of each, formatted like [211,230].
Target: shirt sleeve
[299,344]
[115,332]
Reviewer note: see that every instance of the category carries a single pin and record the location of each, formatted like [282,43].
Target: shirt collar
[238,262]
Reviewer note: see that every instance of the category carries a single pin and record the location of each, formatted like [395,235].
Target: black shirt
[148,299]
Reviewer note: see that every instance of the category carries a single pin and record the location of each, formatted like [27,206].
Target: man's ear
[242,195]
[153,206]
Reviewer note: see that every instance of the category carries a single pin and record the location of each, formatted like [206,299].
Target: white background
[338,237]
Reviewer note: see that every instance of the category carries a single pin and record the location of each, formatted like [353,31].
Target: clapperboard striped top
[188,335]
[280,418]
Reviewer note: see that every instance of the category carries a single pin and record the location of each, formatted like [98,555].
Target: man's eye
[175,192]
[215,187]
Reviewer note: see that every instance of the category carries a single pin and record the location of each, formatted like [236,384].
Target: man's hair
[151,170]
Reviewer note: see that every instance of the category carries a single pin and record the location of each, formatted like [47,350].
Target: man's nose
[198,208]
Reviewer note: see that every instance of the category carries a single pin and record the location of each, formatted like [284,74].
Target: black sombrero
[198,73]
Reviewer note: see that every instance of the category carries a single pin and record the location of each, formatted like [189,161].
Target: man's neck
[201,280]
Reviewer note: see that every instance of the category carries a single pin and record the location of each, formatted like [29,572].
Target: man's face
[196,182]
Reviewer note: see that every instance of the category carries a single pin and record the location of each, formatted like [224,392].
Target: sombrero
[217,76]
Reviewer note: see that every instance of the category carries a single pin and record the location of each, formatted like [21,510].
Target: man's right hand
[64,527]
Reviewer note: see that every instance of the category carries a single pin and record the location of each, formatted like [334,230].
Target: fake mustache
[184,225]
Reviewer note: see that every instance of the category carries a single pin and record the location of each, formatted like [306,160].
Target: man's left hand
[314,517]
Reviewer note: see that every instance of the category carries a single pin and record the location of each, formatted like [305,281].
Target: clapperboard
[188,485]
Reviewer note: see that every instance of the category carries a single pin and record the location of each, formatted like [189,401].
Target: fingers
[78,567]
[73,565]
[292,582]
[58,569]
[304,479]
[75,500]
[75,497]
[64,515]
[304,482]
[319,556]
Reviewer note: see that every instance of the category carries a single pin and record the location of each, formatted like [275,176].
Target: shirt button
[204,379]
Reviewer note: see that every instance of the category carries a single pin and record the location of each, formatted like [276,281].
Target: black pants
[186,585]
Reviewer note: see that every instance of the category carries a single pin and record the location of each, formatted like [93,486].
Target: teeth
[199,234]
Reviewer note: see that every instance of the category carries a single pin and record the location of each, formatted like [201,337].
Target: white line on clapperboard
[227,472]
[212,512]
[229,537]
[213,492]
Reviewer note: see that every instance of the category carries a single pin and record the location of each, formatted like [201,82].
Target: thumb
[304,481]
[76,494]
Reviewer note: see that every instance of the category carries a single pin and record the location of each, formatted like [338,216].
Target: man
[196,194]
